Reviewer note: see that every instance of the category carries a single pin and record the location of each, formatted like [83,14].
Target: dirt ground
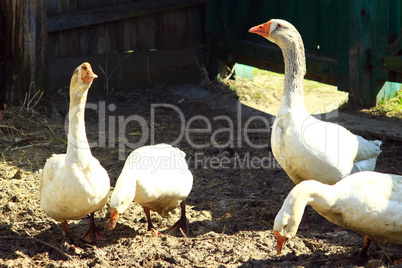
[237,191]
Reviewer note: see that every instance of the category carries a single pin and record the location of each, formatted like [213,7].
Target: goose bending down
[156,177]
[75,184]
[307,148]
[369,203]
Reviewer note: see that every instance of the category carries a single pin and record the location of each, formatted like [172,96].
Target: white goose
[156,177]
[369,203]
[307,148]
[75,184]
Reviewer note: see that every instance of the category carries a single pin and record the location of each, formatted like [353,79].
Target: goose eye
[278,25]
[85,67]
[284,227]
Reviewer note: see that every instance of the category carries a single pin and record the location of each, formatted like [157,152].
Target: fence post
[26,60]
[368,32]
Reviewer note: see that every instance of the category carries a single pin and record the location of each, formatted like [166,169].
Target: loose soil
[238,187]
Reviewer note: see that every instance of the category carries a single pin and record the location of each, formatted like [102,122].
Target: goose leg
[92,234]
[364,250]
[148,214]
[151,228]
[181,223]
[362,257]
[66,229]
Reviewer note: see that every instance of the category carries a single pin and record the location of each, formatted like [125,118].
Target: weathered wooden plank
[242,14]
[114,13]
[146,32]
[359,78]
[380,37]
[52,8]
[128,32]
[212,17]
[140,69]
[25,63]
[176,28]
[93,4]
[67,6]
[395,20]
[171,29]
[68,40]
[328,22]
[342,41]
[180,28]
[103,44]
[107,38]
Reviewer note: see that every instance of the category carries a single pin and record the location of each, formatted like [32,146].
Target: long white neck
[318,195]
[78,149]
[295,69]
[125,188]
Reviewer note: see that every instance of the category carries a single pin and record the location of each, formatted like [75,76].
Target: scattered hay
[21,127]
[220,86]
[26,132]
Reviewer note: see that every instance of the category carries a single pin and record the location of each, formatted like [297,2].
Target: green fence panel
[355,45]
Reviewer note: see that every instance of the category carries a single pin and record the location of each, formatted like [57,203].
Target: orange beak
[114,215]
[280,241]
[87,74]
[262,29]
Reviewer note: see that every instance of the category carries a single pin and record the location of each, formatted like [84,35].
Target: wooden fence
[128,43]
[356,45]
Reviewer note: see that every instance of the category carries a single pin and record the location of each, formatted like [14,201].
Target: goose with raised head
[75,184]
[305,147]
[369,203]
[156,177]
